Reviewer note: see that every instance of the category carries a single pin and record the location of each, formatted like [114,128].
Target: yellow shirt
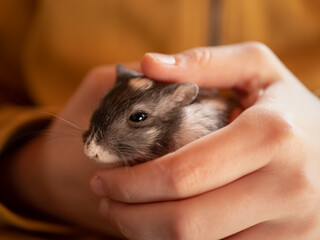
[47,46]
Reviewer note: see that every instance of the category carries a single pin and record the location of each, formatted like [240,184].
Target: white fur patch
[152,132]
[98,153]
[140,83]
[198,119]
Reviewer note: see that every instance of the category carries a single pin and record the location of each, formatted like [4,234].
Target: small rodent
[141,119]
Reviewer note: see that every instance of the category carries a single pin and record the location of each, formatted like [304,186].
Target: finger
[248,68]
[245,67]
[208,163]
[239,65]
[280,229]
[214,215]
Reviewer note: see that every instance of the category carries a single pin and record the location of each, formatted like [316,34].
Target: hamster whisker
[53,131]
[62,137]
[62,119]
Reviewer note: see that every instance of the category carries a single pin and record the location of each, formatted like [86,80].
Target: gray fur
[165,129]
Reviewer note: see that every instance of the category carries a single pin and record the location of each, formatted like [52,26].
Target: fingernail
[162,58]
[97,186]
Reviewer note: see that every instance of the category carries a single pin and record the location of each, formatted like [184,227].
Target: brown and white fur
[141,119]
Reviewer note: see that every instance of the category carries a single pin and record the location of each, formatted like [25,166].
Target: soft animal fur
[141,119]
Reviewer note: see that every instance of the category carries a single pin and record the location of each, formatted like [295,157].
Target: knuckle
[298,187]
[118,191]
[305,187]
[199,55]
[262,57]
[182,180]
[259,55]
[309,227]
[178,183]
[282,128]
[117,224]
[124,194]
[124,230]
[185,225]
[300,192]
[278,128]
[257,49]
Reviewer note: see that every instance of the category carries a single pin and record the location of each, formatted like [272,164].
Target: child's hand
[257,178]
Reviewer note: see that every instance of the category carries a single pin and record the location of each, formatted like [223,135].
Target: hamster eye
[138,116]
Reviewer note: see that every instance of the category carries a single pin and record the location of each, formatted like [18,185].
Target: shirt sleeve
[18,124]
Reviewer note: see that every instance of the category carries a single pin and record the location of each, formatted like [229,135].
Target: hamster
[141,119]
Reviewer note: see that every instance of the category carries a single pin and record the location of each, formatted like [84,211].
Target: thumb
[220,67]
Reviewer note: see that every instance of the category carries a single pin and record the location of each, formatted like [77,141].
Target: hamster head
[136,120]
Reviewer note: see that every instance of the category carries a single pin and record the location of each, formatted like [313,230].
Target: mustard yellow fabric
[290,27]
[47,46]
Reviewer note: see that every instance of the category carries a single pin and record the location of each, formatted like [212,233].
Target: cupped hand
[257,178]
[52,172]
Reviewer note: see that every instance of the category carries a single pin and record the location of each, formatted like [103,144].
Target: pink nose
[92,151]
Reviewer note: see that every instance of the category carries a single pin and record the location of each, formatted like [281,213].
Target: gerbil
[141,119]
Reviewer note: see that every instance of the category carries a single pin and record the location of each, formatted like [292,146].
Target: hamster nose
[99,152]
[93,151]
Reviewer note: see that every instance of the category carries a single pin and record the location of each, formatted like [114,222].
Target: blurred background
[47,46]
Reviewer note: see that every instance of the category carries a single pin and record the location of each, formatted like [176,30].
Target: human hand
[51,171]
[257,178]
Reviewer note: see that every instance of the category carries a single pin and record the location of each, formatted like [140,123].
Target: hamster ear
[182,94]
[124,75]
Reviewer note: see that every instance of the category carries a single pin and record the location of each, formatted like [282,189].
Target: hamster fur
[141,119]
